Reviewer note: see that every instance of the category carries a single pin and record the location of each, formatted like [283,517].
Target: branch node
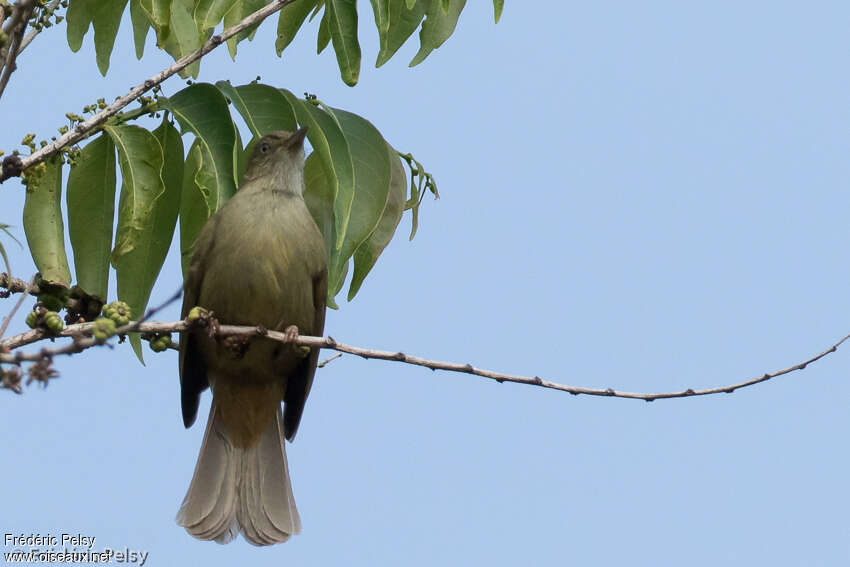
[216,39]
[538,381]
[610,392]
[12,167]
[400,356]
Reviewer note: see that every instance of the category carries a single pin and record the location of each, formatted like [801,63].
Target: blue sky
[647,197]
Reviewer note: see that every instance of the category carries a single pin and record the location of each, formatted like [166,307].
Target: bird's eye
[264,148]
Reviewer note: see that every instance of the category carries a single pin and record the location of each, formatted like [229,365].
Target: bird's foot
[290,334]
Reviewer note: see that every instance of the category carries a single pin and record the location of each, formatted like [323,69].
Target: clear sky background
[646,196]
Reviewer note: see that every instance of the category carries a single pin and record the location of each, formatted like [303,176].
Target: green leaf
[91,213]
[264,108]
[410,4]
[401,23]
[138,269]
[106,17]
[328,141]
[342,24]
[444,4]
[319,197]
[43,224]
[381,8]
[140,158]
[290,21]
[78,18]
[372,181]
[497,9]
[437,28]
[182,36]
[202,110]
[159,13]
[324,36]
[241,9]
[193,207]
[141,25]
[208,13]
[367,253]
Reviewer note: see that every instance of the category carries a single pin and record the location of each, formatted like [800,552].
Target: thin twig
[16,285]
[17,26]
[48,11]
[82,129]
[329,343]
[17,306]
[328,360]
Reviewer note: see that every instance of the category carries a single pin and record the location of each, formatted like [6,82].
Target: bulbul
[260,260]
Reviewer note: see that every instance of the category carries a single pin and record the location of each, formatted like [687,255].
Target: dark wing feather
[299,382]
[193,368]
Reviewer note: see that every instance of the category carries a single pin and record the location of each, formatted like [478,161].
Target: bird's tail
[240,489]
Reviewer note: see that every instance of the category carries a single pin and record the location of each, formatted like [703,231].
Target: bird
[260,261]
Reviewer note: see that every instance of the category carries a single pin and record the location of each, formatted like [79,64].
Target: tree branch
[16,27]
[48,11]
[83,129]
[81,332]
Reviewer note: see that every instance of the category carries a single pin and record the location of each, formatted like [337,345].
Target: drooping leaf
[324,35]
[264,108]
[202,110]
[367,253]
[291,18]
[140,158]
[91,213]
[141,25]
[329,143]
[380,8]
[208,13]
[159,13]
[138,269]
[78,19]
[372,182]
[401,23]
[319,197]
[437,28]
[193,207]
[183,36]
[43,224]
[342,24]
[497,9]
[106,18]
[241,9]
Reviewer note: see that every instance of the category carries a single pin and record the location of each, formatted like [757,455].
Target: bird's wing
[193,369]
[299,382]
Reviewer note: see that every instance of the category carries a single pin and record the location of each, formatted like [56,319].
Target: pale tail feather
[236,489]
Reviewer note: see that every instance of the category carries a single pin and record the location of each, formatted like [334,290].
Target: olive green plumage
[260,260]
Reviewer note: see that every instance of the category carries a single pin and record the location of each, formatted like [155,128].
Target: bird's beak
[297,139]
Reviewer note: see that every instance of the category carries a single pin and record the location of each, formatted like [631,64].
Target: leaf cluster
[182,26]
[356,189]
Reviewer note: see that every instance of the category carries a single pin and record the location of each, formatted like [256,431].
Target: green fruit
[32,319]
[53,322]
[103,329]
